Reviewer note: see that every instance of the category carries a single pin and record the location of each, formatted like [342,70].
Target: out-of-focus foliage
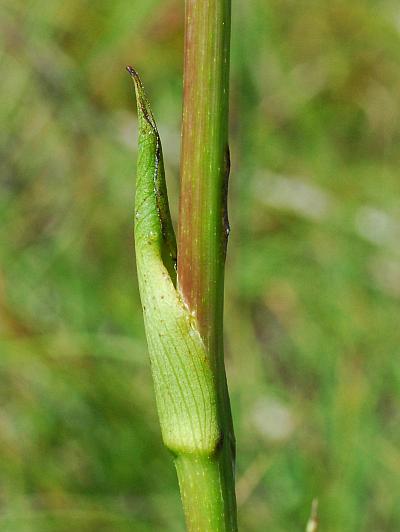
[313,271]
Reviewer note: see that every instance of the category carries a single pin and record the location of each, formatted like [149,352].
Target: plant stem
[202,236]
[204,141]
[202,496]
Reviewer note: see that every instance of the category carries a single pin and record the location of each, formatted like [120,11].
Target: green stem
[202,234]
[202,497]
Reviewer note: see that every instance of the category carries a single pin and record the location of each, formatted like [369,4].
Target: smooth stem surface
[202,497]
[204,144]
[202,236]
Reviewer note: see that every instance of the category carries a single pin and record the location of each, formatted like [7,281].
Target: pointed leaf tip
[132,71]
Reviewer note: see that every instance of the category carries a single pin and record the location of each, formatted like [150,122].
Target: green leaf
[184,383]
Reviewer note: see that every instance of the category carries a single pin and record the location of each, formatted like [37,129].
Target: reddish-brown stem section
[204,141]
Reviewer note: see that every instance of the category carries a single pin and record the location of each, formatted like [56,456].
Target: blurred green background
[313,269]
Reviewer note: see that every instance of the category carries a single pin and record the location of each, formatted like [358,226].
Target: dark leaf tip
[132,71]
